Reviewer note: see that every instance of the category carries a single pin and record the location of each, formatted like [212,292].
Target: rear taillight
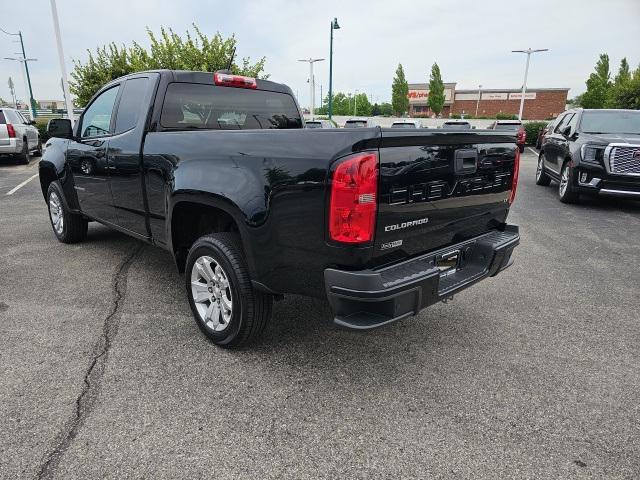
[238,81]
[516,172]
[353,203]
[11,131]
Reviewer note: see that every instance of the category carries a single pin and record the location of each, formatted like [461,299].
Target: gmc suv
[592,152]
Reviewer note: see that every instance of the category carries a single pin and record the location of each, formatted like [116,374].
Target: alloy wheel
[56,213]
[539,169]
[211,293]
[564,181]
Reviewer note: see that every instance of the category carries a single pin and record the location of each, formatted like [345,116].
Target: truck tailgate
[436,188]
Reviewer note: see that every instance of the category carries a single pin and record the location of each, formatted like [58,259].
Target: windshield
[355,123]
[313,125]
[403,125]
[612,121]
[507,126]
[457,125]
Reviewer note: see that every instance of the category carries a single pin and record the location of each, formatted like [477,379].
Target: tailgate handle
[466,161]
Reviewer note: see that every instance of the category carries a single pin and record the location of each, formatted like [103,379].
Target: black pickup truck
[219,170]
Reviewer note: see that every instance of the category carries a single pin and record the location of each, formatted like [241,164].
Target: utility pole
[312,84]
[478,101]
[334,26]
[355,104]
[13,92]
[25,61]
[63,69]
[528,51]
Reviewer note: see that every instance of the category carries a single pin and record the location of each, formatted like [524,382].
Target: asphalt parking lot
[532,374]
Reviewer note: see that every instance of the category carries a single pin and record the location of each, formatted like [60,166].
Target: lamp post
[355,103]
[63,69]
[478,101]
[312,84]
[24,60]
[27,83]
[334,26]
[528,51]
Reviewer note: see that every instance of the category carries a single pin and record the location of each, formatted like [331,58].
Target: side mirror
[60,128]
[32,122]
[566,131]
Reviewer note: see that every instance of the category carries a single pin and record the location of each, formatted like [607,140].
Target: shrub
[506,116]
[41,125]
[532,129]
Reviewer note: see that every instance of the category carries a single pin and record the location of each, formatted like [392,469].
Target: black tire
[39,148]
[568,193]
[74,227]
[251,309]
[542,178]
[24,157]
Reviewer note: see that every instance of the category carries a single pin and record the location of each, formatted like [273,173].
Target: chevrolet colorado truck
[219,170]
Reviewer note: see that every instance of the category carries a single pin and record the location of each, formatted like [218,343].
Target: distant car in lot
[319,124]
[407,124]
[543,132]
[18,136]
[359,123]
[592,152]
[456,125]
[516,126]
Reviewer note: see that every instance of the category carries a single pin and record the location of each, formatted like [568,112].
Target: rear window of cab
[209,107]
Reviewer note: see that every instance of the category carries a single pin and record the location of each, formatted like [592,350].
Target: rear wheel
[68,227]
[542,178]
[226,307]
[566,191]
[24,157]
[39,148]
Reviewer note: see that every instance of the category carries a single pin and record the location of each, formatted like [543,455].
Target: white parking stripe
[18,187]
[533,151]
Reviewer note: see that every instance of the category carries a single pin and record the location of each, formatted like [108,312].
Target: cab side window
[96,120]
[563,122]
[132,101]
[573,123]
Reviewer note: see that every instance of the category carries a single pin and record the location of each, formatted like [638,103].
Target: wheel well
[47,176]
[190,221]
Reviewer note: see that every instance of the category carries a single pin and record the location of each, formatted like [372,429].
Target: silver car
[18,136]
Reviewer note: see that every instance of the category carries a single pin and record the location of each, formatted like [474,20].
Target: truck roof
[188,76]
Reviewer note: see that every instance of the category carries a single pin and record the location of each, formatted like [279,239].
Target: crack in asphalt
[93,376]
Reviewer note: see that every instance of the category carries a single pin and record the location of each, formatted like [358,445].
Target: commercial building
[539,103]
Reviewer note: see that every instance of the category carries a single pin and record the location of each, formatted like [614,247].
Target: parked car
[18,136]
[592,152]
[512,125]
[407,124]
[543,132]
[456,125]
[217,169]
[359,123]
[319,124]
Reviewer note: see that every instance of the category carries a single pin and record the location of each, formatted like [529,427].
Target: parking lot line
[19,186]
[533,151]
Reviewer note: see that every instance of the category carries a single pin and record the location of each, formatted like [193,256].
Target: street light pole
[27,85]
[528,51]
[26,69]
[334,26]
[63,69]
[478,101]
[312,84]
[355,104]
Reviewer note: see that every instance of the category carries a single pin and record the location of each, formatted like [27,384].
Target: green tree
[598,85]
[400,92]
[436,90]
[196,51]
[624,73]
[362,105]
[386,109]
[627,93]
[620,84]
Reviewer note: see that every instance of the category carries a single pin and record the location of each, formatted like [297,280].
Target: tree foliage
[169,50]
[598,85]
[436,90]
[346,105]
[400,92]
[626,92]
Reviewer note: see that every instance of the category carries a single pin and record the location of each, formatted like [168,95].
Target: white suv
[18,136]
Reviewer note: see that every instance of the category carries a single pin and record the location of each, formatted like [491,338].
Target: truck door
[87,157]
[124,157]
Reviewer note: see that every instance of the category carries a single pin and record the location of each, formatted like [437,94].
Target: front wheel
[226,307]
[68,227]
[542,178]
[565,190]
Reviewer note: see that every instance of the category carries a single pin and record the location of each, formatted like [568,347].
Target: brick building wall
[548,103]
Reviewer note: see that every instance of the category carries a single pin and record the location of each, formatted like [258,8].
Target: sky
[470,40]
